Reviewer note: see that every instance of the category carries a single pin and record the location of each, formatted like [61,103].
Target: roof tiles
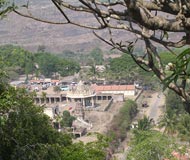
[113,87]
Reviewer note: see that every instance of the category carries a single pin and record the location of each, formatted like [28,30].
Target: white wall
[126,93]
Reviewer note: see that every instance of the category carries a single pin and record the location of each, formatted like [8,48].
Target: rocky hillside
[56,38]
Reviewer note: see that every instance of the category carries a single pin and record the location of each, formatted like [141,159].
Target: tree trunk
[187,106]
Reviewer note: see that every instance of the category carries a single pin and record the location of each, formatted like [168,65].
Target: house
[126,90]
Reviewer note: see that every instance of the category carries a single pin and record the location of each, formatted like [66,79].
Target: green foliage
[149,145]
[90,151]
[167,57]
[56,89]
[38,152]
[19,61]
[92,73]
[5,8]
[47,63]
[97,56]
[24,124]
[174,103]
[2,3]
[121,122]
[184,127]
[170,119]
[16,59]
[180,69]
[50,64]
[41,48]
[145,124]
[26,132]
[76,57]
[124,68]
[175,120]
[76,151]
[3,79]
[67,119]
[97,150]
[123,63]
[68,54]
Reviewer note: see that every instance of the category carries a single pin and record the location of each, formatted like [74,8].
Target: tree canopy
[124,68]
[121,123]
[23,126]
[50,64]
[67,119]
[4,8]
[151,145]
[18,61]
[97,56]
[27,133]
[175,121]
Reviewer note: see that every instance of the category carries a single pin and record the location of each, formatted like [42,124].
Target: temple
[90,96]
[82,93]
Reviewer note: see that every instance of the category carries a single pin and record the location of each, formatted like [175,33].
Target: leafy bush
[121,122]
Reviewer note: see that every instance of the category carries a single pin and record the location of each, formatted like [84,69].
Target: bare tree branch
[149,21]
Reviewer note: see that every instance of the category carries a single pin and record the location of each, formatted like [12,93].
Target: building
[126,90]
[82,93]
[88,96]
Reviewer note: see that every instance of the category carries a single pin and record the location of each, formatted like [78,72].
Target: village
[92,105]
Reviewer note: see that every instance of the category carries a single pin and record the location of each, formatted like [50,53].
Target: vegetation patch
[121,123]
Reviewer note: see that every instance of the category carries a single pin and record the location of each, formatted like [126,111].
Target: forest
[18,61]
[24,137]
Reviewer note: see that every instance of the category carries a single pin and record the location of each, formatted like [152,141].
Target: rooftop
[81,91]
[113,87]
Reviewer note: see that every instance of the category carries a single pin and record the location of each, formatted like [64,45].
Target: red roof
[113,88]
[55,80]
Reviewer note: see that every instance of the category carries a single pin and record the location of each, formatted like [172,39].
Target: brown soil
[100,121]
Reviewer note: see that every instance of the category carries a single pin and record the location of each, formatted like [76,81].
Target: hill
[31,34]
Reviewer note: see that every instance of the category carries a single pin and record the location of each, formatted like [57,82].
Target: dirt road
[156,104]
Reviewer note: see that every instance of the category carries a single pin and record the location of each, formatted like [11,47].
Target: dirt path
[155,101]
[156,104]
[100,121]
